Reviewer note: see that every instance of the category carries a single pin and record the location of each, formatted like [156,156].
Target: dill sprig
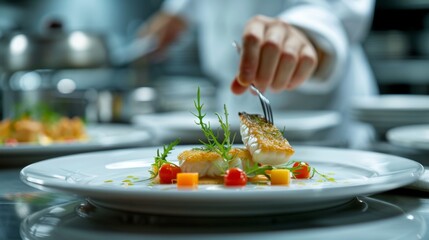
[212,142]
[256,169]
[161,158]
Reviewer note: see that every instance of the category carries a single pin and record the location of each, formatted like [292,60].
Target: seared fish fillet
[264,141]
[241,158]
[210,164]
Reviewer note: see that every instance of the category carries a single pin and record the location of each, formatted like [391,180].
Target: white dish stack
[413,136]
[385,112]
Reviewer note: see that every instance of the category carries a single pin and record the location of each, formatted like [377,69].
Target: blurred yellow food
[27,130]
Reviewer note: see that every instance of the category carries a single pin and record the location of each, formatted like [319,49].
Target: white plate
[298,125]
[101,137]
[399,117]
[391,104]
[414,136]
[371,219]
[356,173]
[385,112]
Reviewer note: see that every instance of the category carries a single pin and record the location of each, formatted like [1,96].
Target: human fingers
[237,88]
[288,61]
[307,62]
[275,55]
[164,27]
[270,53]
[253,36]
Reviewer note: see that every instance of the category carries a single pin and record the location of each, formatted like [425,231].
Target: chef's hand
[274,54]
[165,27]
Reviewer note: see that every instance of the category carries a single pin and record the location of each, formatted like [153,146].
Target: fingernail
[244,82]
[289,86]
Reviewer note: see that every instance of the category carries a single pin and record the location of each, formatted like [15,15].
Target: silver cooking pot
[56,50]
[60,50]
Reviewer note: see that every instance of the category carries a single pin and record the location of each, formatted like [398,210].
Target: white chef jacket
[336,26]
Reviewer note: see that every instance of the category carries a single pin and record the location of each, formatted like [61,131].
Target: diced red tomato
[168,172]
[301,170]
[235,177]
[11,142]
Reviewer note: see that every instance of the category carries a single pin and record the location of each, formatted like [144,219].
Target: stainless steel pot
[56,50]
[60,50]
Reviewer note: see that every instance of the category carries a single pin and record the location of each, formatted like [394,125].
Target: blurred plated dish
[29,130]
[98,137]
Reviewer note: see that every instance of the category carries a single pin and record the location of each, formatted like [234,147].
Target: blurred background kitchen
[73,67]
[65,53]
[397,46]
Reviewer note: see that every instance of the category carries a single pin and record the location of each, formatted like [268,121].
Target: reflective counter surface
[27,213]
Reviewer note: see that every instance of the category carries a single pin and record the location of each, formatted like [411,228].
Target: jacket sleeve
[183,8]
[334,27]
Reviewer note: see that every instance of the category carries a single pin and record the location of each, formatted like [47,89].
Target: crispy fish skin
[210,164]
[264,141]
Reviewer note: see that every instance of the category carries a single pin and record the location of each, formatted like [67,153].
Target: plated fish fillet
[210,164]
[264,141]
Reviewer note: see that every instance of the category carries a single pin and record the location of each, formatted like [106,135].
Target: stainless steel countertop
[18,200]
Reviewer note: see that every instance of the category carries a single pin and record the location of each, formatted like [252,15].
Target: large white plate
[414,136]
[369,219]
[356,173]
[389,111]
[298,125]
[100,137]
[392,104]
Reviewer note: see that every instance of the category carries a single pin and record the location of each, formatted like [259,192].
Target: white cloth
[333,25]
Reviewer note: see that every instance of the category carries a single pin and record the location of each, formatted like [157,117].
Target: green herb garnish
[212,142]
[40,112]
[326,177]
[161,158]
[312,170]
[253,171]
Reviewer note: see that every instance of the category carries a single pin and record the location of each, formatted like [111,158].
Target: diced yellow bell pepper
[187,180]
[280,177]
